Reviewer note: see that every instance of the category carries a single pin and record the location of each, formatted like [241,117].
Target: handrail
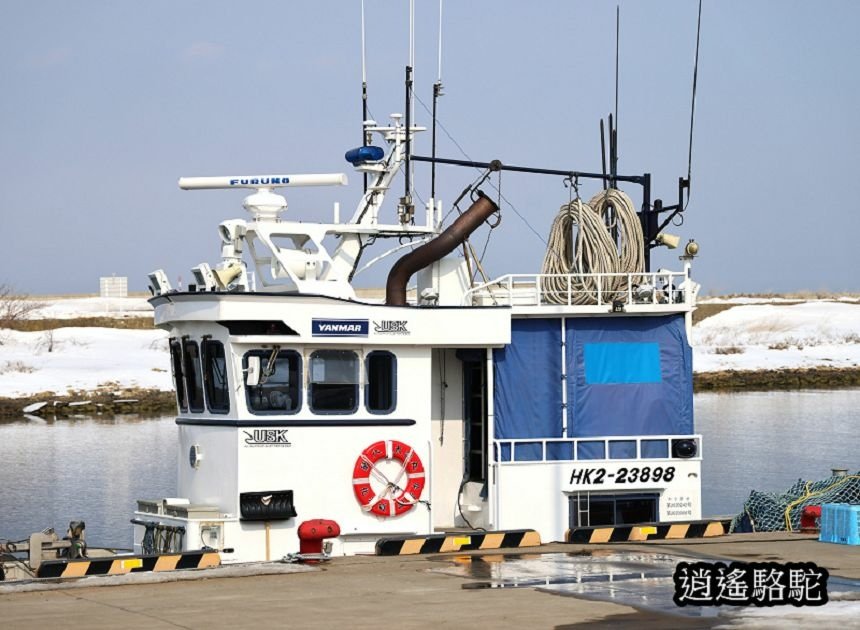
[653,287]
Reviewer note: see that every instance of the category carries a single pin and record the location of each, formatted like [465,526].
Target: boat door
[473,505]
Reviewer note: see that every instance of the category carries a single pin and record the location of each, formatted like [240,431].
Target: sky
[105,104]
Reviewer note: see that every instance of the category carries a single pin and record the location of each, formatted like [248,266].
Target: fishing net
[772,512]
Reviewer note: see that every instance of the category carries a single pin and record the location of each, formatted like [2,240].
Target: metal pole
[498,166]
[645,219]
[408,126]
[603,152]
[617,39]
[437,90]
[364,140]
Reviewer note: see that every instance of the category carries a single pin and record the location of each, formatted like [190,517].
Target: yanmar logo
[339,327]
[267,437]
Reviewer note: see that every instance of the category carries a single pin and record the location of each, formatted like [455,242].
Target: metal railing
[592,289]
[592,449]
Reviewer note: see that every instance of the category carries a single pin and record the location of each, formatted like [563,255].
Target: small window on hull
[176,367]
[380,391]
[612,509]
[279,389]
[193,375]
[333,382]
[215,377]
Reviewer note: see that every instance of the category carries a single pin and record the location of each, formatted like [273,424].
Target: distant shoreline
[779,379]
[101,401]
[153,401]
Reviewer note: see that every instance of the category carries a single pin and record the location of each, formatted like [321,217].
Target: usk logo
[391,327]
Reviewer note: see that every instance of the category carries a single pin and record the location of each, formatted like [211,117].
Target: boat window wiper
[270,365]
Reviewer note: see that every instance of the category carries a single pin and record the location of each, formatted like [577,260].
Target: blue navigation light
[361,155]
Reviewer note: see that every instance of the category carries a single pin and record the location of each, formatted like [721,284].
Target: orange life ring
[385,503]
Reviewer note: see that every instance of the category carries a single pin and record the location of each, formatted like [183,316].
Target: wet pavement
[640,579]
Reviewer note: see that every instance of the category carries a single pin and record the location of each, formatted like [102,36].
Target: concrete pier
[408,592]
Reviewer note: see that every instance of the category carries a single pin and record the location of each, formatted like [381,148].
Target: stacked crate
[840,523]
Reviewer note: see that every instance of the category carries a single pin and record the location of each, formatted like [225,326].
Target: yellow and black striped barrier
[441,543]
[120,565]
[648,531]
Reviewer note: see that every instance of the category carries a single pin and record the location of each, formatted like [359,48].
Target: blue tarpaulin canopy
[624,376]
[527,397]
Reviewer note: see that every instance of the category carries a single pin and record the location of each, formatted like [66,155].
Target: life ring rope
[387,502]
[386,491]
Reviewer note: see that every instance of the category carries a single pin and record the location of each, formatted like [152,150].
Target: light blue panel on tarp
[608,363]
[527,385]
[641,386]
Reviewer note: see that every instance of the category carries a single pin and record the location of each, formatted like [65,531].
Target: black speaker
[684,449]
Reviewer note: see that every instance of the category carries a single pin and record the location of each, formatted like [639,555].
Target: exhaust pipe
[442,245]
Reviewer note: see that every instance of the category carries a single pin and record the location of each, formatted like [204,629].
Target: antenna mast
[407,209]
[617,40]
[437,92]
[693,101]
[364,135]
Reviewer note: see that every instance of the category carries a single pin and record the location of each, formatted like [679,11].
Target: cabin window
[215,377]
[279,388]
[333,381]
[193,375]
[176,367]
[381,388]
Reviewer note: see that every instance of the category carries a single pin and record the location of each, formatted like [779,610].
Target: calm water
[767,440]
[95,468]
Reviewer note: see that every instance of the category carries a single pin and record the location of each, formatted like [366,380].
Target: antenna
[364,138]
[406,202]
[617,39]
[439,72]
[437,92]
[363,49]
[407,196]
[412,33]
[693,101]
[613,153]
[603,152]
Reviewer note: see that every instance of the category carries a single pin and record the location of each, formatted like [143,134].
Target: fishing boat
[548,401]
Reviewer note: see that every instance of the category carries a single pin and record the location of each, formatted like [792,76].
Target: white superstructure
[469,406]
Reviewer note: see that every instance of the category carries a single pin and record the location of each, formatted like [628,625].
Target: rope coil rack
[572,262]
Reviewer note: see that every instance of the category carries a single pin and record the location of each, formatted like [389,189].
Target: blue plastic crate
[840,523]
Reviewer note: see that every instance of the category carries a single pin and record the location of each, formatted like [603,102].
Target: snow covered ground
[84,358]
[771,336]
[68,308]
[748,336]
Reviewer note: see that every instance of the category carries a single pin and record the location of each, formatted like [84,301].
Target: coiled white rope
[570,263]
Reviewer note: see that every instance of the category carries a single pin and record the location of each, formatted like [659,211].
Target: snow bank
[68,308]
[82,358]
[773,300]
[772,336]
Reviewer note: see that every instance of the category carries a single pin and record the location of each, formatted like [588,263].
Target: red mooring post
[312,534]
